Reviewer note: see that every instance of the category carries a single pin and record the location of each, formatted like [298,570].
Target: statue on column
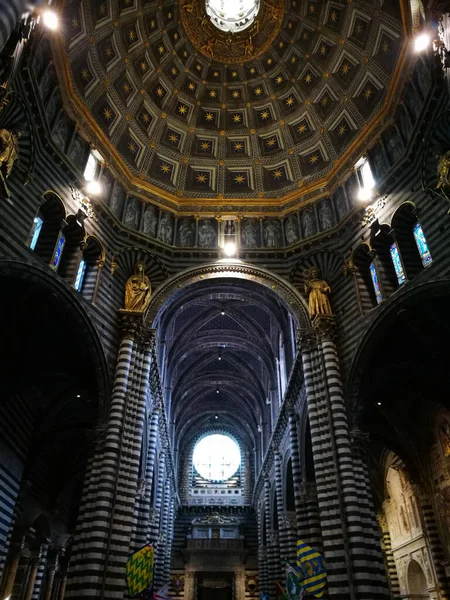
[138,290]
[317,290]
[9,153]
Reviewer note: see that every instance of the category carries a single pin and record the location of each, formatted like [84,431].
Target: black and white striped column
[386,546]
[158,531]
[169,539]
[284,550]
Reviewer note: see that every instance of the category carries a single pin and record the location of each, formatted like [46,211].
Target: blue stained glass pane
[376,283]
[58,252]
[80,275]
[422,245]
[35,231]
[395,254]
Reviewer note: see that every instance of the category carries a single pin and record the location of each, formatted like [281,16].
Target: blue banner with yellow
[311,569]
[140,570]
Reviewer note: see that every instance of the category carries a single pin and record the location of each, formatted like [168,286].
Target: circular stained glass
[216,457]
[232,15]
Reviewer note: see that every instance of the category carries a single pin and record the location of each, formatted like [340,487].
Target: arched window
[411,240]
[397,262]
[365,272]
[89,268]
[382,242]
[46,237]
[72,253]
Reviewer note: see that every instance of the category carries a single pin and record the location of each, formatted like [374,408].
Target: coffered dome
[265,115]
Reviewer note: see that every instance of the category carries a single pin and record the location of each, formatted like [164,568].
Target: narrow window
[376,283]
[35,232]
[422,245]
[395,255]
[80,275]
[91,168]
[58,252]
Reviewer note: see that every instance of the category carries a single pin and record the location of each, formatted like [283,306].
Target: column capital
[359,440]
[147,336]
[325,325]
[306,339]
[131,322]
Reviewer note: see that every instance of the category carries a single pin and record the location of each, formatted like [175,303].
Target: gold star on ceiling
[126,88]
[175,36]
[152,23]
[345,68]
[173,138]
[174,71]
[280,44]
[108,52]
[198,67]
[342,130]
[235,94]
[264,115]
[324,101]
[301,128]
[271,142]
[313,159]
[269,61]
[185,53]
[204,146]
[279,79]
[159,92]
[323,50]
[191,87]
[209,116]
[201,178]
[75,23]
[289,25]
[132,147]
[216,74]
[132,35]
[146,117]
[308,78]
[384,47]
[305,35]
[165,168]
[238,146]
[102,8]
[277,174]
[333,16]
[85,74]
[212,93]
[234,74]
[236,118]
[252,71]
[239,179]
[312,9]
[290,101]
[293,59]
[143,66]
[368,93]
[182,109]
[169,15]
[161,50]
[107,114]
[258,91]
[358,29]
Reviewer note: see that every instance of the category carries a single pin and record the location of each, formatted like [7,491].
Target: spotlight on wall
[50,19]
[379,403]
[364,194]
[421,42]
[78,395]
[230,248]
[93,188]
[216,416]
[217,392]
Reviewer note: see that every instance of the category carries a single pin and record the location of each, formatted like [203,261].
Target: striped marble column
[158,530]
[262,557]
[106,519]
[282,524]
[143,534]
[41,565]
[296,469]
[169,539]
[271,539]
[386,546]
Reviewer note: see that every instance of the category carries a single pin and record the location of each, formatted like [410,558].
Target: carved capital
[325,325]
[360,441]
[306,339]
[131,322]
[148,337]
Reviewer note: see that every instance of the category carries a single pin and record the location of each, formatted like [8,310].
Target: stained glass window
[80,275]
[216,457]
[395,255]
[35,231]
[376,283]
[422,245]
[58,251]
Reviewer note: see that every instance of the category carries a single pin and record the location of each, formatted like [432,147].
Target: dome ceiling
[296,95]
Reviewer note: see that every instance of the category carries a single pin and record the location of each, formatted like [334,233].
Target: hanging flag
[311,569]
[293,587]
[162,594]
[140,570]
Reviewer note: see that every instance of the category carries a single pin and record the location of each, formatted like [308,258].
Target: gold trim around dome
[231,48]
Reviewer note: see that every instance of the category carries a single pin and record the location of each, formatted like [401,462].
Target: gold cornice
[276,206]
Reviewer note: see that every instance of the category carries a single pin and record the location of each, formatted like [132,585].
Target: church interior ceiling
[195,116]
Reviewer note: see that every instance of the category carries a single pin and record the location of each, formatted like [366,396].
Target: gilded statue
[9,150]
[137,290]
[443,170]
[317,290]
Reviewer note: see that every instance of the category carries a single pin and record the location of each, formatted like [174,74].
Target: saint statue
[443,168]
[317,291]
[137,290]
[9,150]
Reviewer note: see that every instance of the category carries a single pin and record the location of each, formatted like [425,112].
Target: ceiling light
[421,42]
[219,358]
[379,403]
[364,194]
[78,395]
[216,417]
[217,391]
[223,312]
[93,187]
[229,248]
[50,19]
